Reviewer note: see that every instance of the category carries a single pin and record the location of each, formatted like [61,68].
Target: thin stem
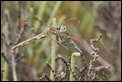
[73,56]
[53,52]
[13,63]
[54,11]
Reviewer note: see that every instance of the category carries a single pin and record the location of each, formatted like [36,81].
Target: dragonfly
[62,36]
[59,30]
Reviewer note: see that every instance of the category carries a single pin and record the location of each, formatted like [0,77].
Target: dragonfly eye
[62,28]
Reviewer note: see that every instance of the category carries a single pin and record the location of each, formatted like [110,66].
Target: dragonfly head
[62,28]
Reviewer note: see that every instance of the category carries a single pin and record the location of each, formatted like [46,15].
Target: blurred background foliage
[94,19]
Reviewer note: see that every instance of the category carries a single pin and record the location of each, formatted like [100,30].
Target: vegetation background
[96,18]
